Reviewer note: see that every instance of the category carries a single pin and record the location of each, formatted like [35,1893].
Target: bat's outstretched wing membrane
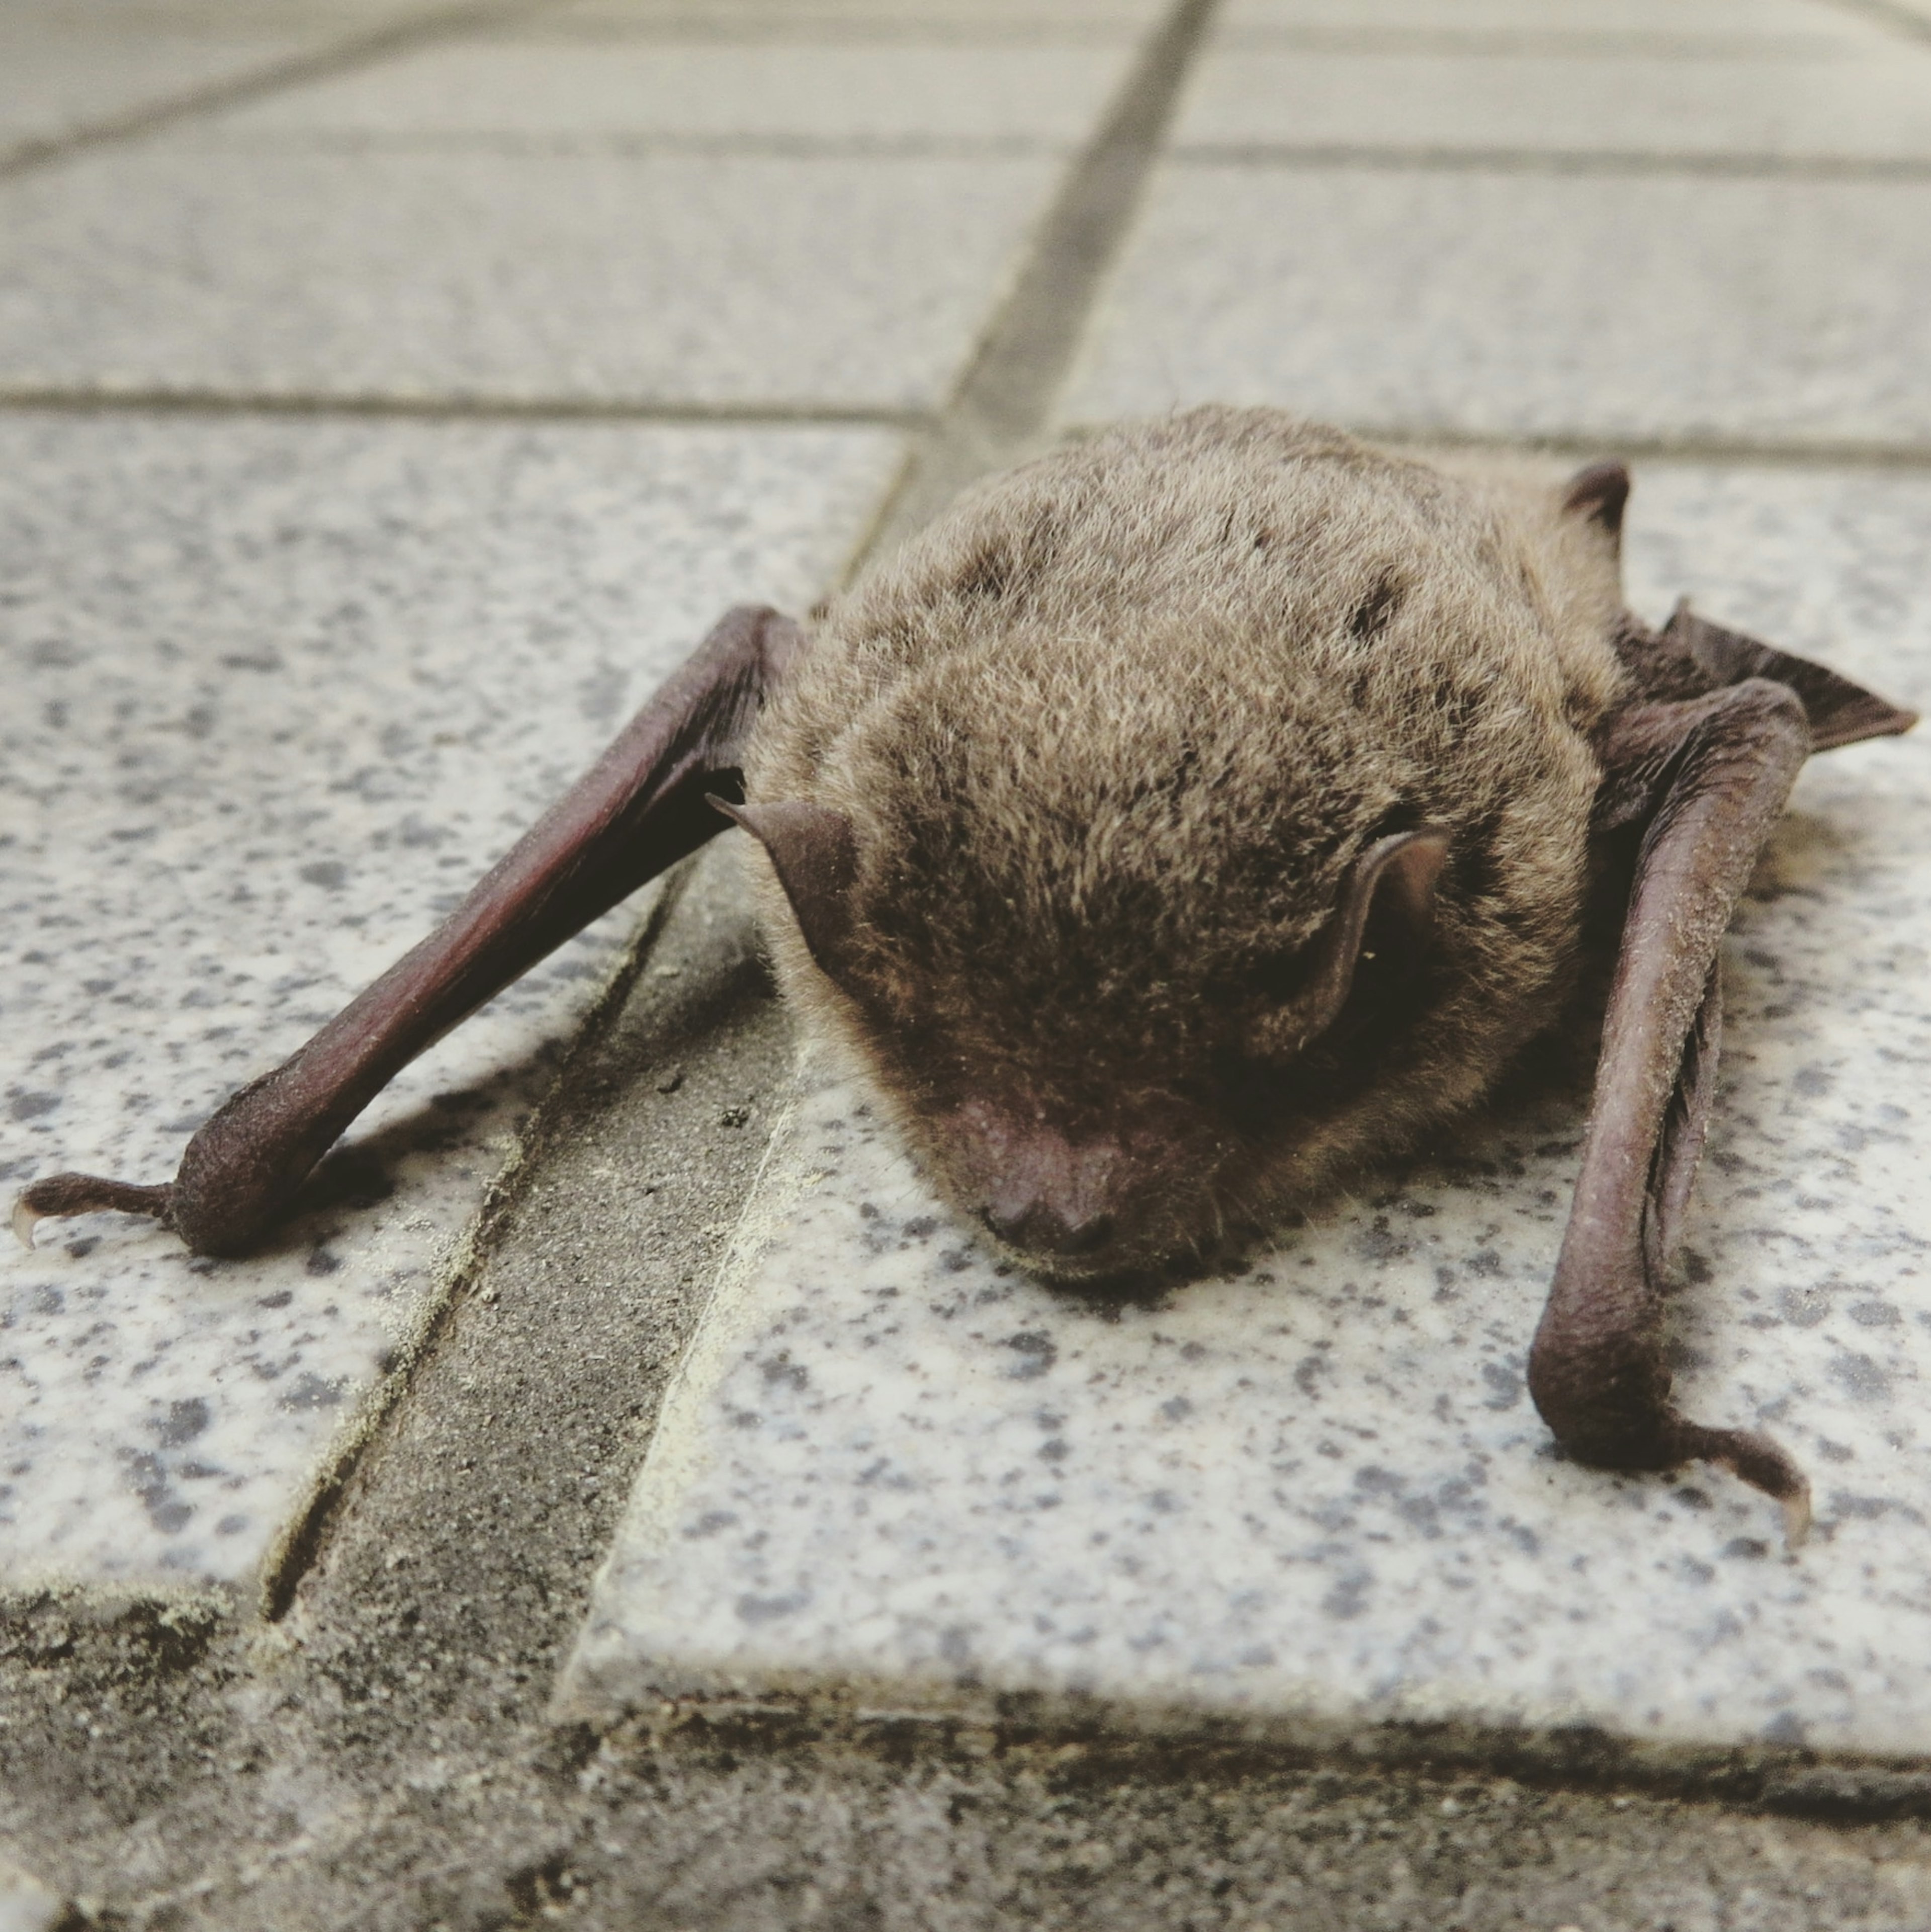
[639,810]
[1707,776]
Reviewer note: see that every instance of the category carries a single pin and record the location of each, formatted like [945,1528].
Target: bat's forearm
[638,811]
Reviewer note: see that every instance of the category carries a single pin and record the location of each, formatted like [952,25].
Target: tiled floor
[283,690]
[372,434]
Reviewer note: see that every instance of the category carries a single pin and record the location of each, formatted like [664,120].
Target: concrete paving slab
[1412,301]
[1313,1495]
[1874,103]
[768,89]
[279,692]
[712,279]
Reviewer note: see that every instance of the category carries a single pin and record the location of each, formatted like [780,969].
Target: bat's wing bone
[1704,761]
[639,810]
[1717,769]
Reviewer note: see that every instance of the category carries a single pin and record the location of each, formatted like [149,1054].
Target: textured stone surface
[1408,301]
[1856,100]
[1316,1490]
[713,278]
[766,90]
[278,693]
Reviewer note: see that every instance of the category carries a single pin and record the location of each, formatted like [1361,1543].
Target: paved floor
[388,395]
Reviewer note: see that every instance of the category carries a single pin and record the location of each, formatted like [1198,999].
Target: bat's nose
[1039,1227]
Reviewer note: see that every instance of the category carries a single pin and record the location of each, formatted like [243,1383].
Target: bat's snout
[1039,1228]
[1064,1203]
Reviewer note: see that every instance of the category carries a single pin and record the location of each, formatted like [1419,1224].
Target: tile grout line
[1556,44]
[1313,157]
[636,145]
[304,1537]
[1582,442]
[760,415]
[841,31]
[292,70]
[1003,402]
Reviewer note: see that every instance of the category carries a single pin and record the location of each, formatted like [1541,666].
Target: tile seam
[1582,443]
[305,1538]
[517,146]
[645,412]
[1312,157]
[1004,399]
[292,70]
[1458,43]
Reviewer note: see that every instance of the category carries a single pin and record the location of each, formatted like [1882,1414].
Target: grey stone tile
[706,279]
[766,90]
[1606,305]
[1861,103]
[277,693]
[1315,1494]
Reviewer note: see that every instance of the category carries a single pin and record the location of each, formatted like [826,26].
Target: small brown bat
[1187,816]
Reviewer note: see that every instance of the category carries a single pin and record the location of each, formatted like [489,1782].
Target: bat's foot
[1761,1464]
[64,1194]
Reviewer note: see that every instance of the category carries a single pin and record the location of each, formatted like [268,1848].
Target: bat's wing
[1690,656]
[638,811]
[1705,764]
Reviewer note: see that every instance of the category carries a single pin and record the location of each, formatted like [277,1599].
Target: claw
[63,1194]
[1796,1520]
[1760,1462]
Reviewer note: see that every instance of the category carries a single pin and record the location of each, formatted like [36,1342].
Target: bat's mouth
[1104,1257]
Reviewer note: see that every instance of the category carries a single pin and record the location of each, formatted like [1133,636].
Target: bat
[1187,817]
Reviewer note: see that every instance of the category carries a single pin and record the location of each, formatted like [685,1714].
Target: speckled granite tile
[1851,100]
[704,278]
[1315,1492]
[1418,301]
[277,693]
[769,90]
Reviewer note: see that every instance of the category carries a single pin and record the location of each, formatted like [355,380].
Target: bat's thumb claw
[1796,1520]
[1761,1464]
[62,1194]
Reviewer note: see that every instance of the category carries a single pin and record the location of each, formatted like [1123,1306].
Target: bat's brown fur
[1110,735]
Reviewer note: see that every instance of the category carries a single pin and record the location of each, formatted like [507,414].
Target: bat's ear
[1388,899]
[1599,495]
[814,852]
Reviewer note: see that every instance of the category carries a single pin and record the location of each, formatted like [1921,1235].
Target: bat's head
[1185,819]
